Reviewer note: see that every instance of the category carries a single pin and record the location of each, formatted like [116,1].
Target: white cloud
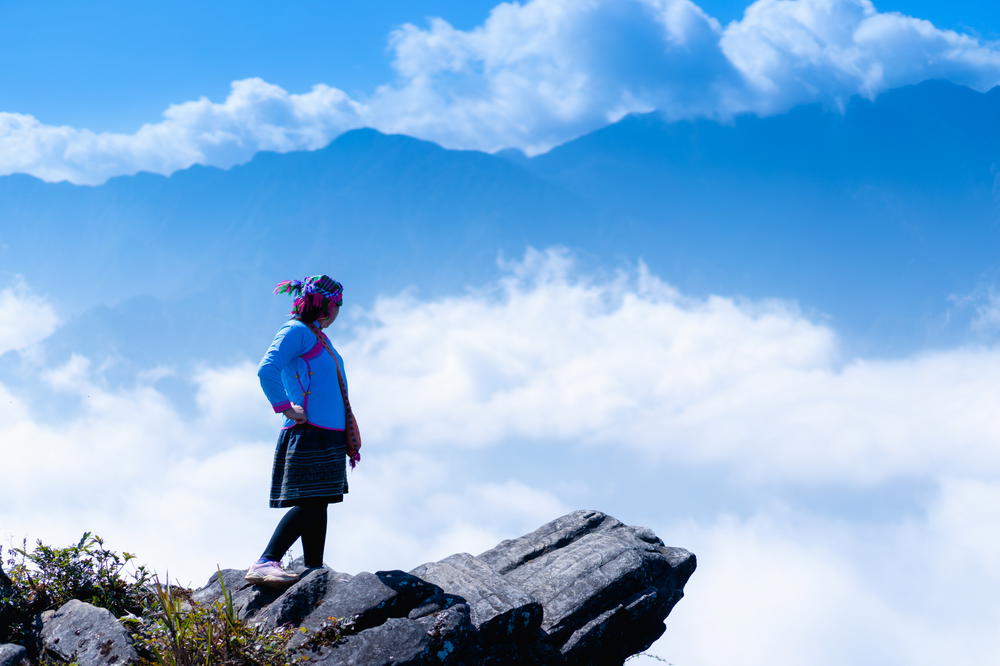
[796,51]
[538,73]
[25,318]
[980,307]
[188,490]
[987,313]
[534,75]
[527,367]
[624,363]
[786,587]
[255,116]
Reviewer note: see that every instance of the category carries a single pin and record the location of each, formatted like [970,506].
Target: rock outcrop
[85,634]
[605,587]
[584,589]
[13,655]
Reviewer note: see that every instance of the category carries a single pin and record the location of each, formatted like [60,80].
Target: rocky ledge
[582,589]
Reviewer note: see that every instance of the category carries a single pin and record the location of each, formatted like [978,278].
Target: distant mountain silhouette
[875,215]
[366,196]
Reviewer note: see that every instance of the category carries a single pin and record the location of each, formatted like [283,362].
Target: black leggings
[307,519]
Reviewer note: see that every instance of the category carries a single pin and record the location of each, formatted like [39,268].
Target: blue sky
[190,89]
[111,66]
[841,503]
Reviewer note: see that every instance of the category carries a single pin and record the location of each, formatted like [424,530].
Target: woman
[303,377]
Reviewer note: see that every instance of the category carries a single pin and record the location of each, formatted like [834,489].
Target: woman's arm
[286,347]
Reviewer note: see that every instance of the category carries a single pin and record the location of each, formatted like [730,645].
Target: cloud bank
[534,75]
[546,365]
[626,363]
[789,587]
[187,488]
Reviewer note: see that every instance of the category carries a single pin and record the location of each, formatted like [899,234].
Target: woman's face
[331,314]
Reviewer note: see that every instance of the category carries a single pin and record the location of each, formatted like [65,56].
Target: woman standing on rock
[303,377]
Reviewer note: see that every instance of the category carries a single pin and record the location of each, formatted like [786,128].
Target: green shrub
[86,571]
[166,625]
[45,578]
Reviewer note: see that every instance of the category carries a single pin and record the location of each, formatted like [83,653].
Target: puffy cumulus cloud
[255,116]
[793,51]
[551,356]
[536,74]
[21,311]
[787,587]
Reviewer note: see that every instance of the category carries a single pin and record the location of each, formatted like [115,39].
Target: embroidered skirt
[309,464]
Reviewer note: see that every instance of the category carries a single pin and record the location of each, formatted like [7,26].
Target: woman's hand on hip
[295,413]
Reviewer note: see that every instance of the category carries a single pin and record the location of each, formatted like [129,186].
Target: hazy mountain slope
[367,198]
[379,212]
[877,216]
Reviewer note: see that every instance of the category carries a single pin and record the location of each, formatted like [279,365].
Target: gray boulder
[499,610]
[13,655]
[444,637]
[85,634]
[369,599]
[606,587]
[248,599]
[301,599]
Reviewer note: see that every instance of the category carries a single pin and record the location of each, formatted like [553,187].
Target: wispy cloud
[981,306]
[987,313]
[534,75]
[22,311]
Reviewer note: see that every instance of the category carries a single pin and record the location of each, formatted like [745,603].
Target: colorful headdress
[312,292]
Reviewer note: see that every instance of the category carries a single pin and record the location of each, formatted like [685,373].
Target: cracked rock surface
[606,587]
[582,589]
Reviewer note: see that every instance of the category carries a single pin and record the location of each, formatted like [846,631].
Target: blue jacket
[296,368]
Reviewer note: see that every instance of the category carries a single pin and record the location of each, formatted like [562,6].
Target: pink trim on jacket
[314,426]
[316,350]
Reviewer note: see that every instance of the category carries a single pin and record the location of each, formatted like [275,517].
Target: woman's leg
[288,530]
[306,519]
[314,533]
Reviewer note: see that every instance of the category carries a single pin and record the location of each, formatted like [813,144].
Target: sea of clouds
[474,408]
[534,75]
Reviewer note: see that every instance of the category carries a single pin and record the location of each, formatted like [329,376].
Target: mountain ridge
[741,209]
